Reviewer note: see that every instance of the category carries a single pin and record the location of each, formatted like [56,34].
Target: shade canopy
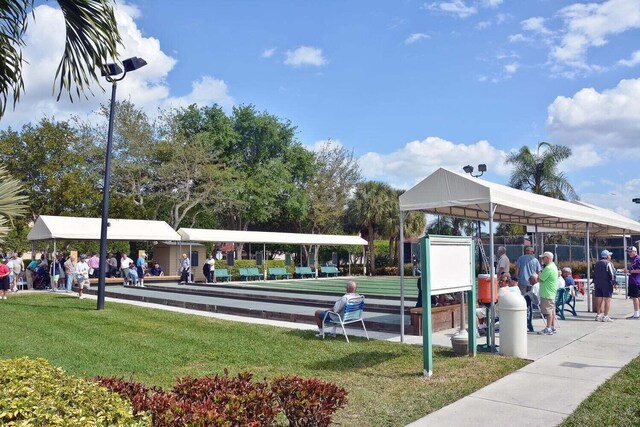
[445,192]
[49,227]
[235,236]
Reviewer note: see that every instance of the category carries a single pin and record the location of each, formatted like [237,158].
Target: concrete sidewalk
[567,368]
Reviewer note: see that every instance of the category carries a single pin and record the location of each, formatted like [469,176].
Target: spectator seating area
[223,274]
[249,273]
[276,272]
[303,272]
[329,270]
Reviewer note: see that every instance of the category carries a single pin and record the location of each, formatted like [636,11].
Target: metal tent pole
[626,278]
[492,277]
[588,287]
[401,262]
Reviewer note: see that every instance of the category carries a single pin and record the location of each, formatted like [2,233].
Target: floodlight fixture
[482,168]
[468,169]
[636,200]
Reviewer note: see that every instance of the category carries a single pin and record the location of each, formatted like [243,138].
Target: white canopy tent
[445,192]
[49,227]
[266,237]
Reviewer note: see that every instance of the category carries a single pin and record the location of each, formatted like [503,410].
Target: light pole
[109,71]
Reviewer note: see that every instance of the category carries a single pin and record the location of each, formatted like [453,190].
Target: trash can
[513,323]
[416,320]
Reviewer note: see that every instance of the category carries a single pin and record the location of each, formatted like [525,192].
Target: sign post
[448,265]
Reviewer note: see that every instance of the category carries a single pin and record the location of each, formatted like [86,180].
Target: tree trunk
[372,253]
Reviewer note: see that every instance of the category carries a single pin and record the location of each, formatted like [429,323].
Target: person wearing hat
[548,279]
[82,274]
[604,276]
[634,280]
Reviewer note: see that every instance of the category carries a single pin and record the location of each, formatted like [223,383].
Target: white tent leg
[588,287]
[492,277]
[401,262]
[626,278]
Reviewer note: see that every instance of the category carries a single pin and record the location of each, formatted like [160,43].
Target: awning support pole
[401,265]
[492,277]
[626,278]
[588,287]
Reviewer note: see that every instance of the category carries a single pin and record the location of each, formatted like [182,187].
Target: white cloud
[511,68]
[491,3]
[415,37]
[632,61]
[305,55]
[146,87]
[268,53]
[454,7]
[608,118]
[535,24]
[417,159]
[590,25]
[516,38]
[483,25]
[616,196]
[320,144]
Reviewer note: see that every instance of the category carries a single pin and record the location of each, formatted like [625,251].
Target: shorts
[605,291]
[140,272]
[4,283]
[84,284]
[324,313]
[634,290]
[547,306]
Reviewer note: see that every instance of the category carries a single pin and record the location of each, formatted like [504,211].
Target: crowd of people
[59,273]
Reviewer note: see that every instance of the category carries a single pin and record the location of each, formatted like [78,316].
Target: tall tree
[370,209]
[91,41]
[538,172]
[414,226]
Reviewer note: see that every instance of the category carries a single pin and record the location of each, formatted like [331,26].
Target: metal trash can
[513,323]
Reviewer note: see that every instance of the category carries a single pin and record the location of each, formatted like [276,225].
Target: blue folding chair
[352,313]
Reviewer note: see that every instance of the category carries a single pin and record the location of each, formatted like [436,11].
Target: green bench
[304,272]
[329,270]
[222,273]
[276,272]
[249,273]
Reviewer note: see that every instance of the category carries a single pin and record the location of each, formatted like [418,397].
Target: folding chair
[352,313]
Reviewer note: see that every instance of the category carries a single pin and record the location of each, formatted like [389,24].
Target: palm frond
[13,24]
[92,39]
[12,201]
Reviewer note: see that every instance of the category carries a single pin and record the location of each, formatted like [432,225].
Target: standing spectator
[125,262]
[212,268]
[32,267]
[10,267]
[634,280]
[141,267]
[18,268]
[548,279]
[82,275]
[503,262]
[4,280]
[604,276]
[112,264]
[207,270]
[414,262]
[70,272]
[94,265]
[54,272]
[526,266]
[419,285]
[185,268]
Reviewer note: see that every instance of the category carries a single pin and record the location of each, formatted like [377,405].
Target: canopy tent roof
[445,192]
[49,227]
[235,236]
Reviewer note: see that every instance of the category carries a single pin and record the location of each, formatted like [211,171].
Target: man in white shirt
[503,262]
[82,274]
[125,263]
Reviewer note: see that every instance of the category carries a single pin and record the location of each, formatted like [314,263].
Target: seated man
[338,307]
[132,275]
[156,270]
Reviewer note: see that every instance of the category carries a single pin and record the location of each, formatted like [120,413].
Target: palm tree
[370,209]
[538,172]
[414,225]
[12,203]
[92,39]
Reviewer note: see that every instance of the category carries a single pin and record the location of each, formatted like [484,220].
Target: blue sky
[408,85]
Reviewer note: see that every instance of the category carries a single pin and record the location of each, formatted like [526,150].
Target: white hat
[547,255]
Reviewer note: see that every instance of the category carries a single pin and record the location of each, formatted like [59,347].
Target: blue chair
[352,314]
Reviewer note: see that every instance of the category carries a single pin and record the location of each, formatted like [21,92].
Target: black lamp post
[109,71]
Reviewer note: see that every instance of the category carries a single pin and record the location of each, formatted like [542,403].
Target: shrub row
[233,401]
[34,393]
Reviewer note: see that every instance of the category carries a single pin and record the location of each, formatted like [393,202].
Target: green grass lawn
[384,379]
[614,403]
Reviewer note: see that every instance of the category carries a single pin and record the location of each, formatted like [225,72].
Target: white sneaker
[607,319]
[599,318]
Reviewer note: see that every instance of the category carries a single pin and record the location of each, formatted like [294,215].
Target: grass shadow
[355,361]
[56,303]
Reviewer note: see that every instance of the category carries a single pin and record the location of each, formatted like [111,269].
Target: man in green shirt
[548,279]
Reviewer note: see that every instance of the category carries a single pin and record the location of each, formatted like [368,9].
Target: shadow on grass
[57,302]
[355,361]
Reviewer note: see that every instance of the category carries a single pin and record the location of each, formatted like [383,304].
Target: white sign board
[450,267]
